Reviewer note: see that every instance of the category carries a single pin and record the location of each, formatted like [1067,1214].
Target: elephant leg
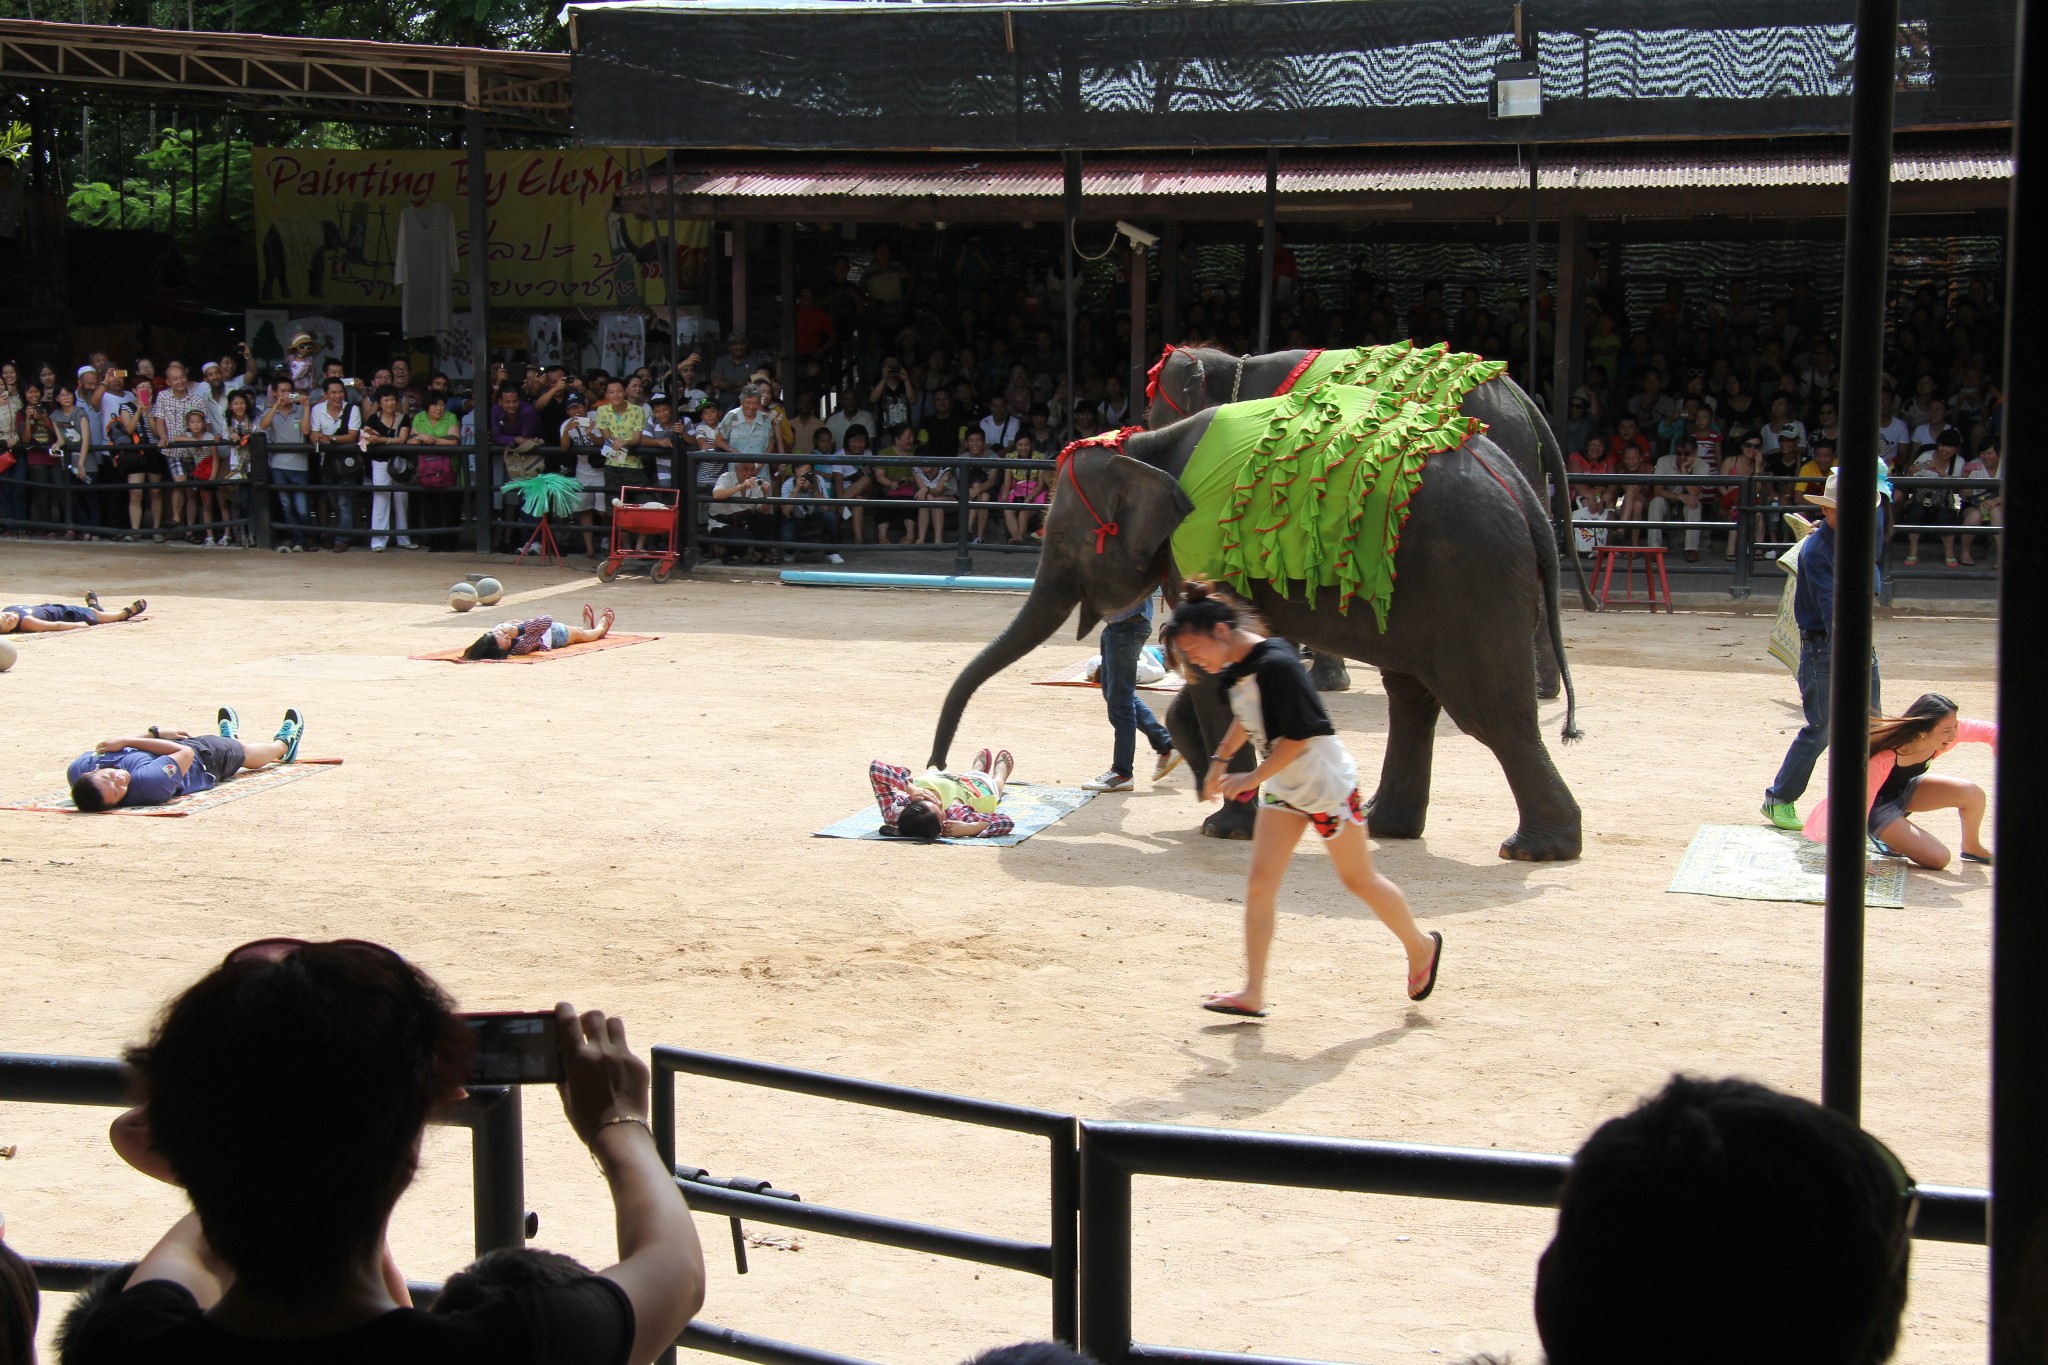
[1400,808]
[1186,728]
[1548,680]
[1328,672]
[1198,719]
[1550,827]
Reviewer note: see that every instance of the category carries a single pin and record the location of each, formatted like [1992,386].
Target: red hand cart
[630,518]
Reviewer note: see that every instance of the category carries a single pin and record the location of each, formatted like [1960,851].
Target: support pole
[1567,346]
[1169,284]
[1071,291]
[1267,248]
[785,369]
[480,399]
[1863,309]
[739,277]
[672,271]
[1529,319]
[1134,386]
[2019,932]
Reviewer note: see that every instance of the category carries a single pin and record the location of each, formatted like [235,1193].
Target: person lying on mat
[1901,750]
[168,764]
[57,616]
[538,635]
[935,804]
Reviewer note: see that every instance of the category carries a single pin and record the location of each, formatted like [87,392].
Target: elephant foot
[1388,822]
[1234,821]
[1328,672]
[1549,691]
[1529,847]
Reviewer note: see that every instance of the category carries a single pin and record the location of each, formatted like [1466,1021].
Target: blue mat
[1033,808]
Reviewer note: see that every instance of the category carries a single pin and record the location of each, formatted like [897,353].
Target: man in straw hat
[1813,607]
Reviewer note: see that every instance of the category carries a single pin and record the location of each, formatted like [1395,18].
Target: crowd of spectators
[1719,1220]
[898,368]
[1730,388]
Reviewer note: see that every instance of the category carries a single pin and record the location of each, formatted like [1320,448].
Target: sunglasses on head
[278,949]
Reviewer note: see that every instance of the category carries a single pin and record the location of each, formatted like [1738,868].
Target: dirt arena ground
[632,830]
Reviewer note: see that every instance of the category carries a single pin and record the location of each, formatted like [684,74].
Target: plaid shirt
[170,409]
[533,635]
[893,792]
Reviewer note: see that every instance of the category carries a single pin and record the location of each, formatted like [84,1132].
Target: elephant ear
[1146,505]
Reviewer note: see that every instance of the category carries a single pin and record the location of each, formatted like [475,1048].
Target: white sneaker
[1168,761]
[835,559]
[1108,782]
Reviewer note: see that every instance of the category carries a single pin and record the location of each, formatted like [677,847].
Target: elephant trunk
[1043,612]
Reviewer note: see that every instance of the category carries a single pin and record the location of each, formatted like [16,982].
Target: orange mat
[613,641]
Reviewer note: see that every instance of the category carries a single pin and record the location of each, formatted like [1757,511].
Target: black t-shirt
[1287,699]
[943,437]
[587,1322]
[394,430]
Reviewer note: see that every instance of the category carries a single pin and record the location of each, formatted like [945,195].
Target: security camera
[1139,237]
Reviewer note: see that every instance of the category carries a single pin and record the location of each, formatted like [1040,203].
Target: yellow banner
[327,228]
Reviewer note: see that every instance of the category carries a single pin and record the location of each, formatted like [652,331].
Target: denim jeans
[292,506]
[1121,643]
[1816,675]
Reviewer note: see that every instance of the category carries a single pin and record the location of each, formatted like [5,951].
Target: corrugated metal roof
[1656,166]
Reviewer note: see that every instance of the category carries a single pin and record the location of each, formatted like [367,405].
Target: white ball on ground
[488,591]
[462,597]
[8,655]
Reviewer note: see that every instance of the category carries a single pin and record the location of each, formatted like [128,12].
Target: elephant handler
[1308,778]
[1123,640]
[1813,607]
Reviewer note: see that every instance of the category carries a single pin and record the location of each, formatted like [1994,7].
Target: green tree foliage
[527,25]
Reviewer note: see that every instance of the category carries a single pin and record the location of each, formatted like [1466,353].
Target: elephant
[1475,567]
[1189,379]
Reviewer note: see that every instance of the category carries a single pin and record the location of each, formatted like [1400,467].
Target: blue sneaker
[230,722]
[291,732]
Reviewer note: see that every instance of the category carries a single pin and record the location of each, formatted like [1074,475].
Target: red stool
[1655,584]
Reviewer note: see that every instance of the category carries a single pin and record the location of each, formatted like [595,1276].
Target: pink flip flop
[1435,961]
[985,762]
[1229,1003]
[589,617]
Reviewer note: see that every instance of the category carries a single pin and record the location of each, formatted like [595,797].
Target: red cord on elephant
[1114,440]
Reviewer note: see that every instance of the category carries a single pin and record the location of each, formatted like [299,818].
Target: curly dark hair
[288,1096]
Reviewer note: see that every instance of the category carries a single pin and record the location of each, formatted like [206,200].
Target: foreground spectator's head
[20,1306]
[1032,1353]
[287,1089]
[493,1275]
[1724,1221]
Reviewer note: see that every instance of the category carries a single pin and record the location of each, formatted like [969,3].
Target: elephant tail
[1547,570]
[1551,451]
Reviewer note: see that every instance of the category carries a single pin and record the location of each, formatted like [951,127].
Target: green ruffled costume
[1313,486]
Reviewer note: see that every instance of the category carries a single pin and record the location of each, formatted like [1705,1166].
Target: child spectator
[934,491]
[1983,506]
[1027,491]
[579,438]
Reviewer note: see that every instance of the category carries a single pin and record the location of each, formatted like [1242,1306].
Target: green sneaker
[291,732]
[230,722]
[1783,814]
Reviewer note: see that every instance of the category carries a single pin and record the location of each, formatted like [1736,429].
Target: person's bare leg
[1005,764]
[135,502]
[261,753]
[1903,836]
[1964,797]
[1274,836]
[583,635]
[1351,853]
